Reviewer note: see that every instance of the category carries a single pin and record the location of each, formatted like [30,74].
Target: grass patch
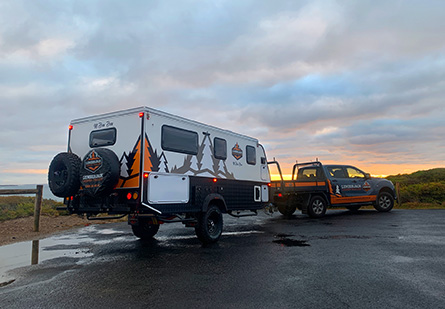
[416,205]
[13,207]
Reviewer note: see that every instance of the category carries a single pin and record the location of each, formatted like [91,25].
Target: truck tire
[317,207]
[385,202]
[210,225]
[63,174]
[99,172]
[288,207]
[146,229]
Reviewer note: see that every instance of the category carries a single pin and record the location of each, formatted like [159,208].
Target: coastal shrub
[12,207]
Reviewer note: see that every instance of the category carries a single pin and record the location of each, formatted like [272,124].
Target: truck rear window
[179,140]
[105,137]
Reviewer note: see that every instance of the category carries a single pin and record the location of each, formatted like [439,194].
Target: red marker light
[145,175]
[141,115]
[214,179]
[280,195]
[269,184]
[129,196]
[70,127]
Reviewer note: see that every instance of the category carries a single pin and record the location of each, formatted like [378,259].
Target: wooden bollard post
[35,252]
[38,207]
[399,200]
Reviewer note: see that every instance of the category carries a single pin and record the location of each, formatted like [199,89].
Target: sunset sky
[353,82]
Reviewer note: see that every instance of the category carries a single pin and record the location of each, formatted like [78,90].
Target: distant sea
[46,191]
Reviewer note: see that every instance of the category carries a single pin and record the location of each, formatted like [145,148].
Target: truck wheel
[63,174]
[385,202]
[99,172]
[210,225]
[317,207]
[288,207]
[146,229]
[287,210]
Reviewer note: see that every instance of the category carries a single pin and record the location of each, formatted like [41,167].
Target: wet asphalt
[344,260]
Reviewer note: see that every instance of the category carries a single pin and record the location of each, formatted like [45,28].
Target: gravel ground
[22,229]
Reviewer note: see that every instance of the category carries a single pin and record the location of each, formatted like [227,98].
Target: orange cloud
[26,171]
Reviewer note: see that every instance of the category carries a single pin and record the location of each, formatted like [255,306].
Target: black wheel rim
[60,175]
[213,222]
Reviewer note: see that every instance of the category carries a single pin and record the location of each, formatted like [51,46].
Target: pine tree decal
[124,166]
[163,163]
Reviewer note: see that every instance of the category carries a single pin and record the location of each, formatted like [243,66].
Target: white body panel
[168,188]
[170,166]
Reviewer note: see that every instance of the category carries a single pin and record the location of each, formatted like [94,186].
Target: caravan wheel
[210,225]
[63,174]
[146,229]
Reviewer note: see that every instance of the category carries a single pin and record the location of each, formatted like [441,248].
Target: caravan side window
[220,148]
[106,137]
[179,140]
[250,155]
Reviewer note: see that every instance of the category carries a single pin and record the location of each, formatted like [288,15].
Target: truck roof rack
[298,165]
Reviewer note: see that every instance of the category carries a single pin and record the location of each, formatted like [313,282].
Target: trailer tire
[210,225]
[317,207]
[146,229]
[63,174]
[384,202]
[100,171]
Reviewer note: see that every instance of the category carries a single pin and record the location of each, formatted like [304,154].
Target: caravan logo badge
[93,162]
[237,152]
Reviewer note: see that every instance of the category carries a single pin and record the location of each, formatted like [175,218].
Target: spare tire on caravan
[159,168]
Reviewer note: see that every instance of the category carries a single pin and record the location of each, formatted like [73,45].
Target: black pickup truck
[314,187]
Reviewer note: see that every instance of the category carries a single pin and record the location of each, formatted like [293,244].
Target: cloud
[338,80]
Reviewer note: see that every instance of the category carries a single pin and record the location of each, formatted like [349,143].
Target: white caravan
[159,168]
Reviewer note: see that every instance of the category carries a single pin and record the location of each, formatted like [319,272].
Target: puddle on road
[287,242]
[37,251]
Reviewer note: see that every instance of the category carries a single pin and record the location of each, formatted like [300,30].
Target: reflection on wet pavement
[37,251]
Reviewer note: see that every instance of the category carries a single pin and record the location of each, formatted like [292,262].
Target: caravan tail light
[133,195]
